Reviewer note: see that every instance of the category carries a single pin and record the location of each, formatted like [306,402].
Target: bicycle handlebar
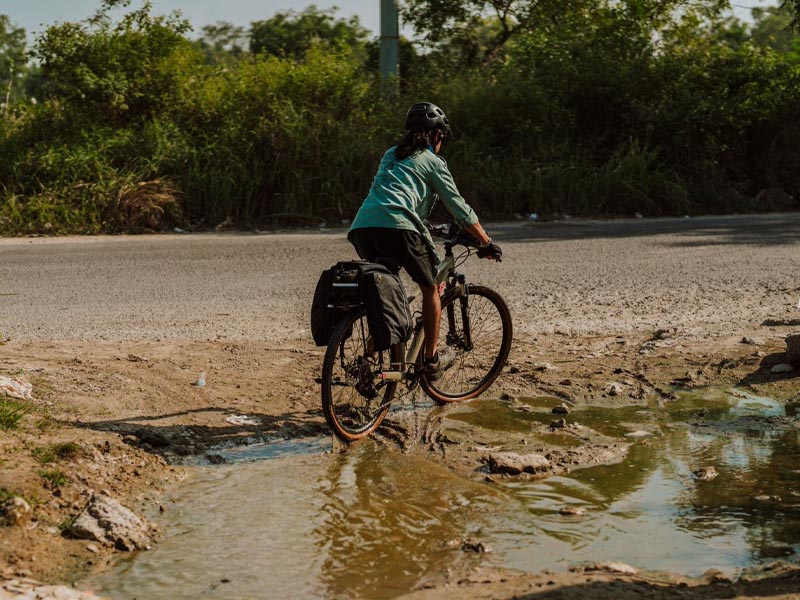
[453,235]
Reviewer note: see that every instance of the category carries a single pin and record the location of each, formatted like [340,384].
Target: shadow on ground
[764,373]
[172,440]
[784,585]
[757,230]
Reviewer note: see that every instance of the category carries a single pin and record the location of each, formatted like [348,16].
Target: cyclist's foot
[439,363]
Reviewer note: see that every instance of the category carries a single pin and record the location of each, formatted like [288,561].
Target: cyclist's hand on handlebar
[492,251]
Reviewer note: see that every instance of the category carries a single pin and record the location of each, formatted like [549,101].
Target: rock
[639,434]
[781,368]
[543,366]
[619,567]
[766,498]
[705,473]
[561,409]
[572,510]
[514,370]
[662,334]
[23,588]
[793,350]
[751,341]
[613,567]
[475,546]
[106,521]
[15,387]
[565,382]
[14,511]
[515,464]
[614,389]
[250,420]
[560,424]
[201,380]
[716,576]
[727,363]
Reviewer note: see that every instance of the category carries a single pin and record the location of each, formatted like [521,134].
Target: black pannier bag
[348,284]
[388,313]
[336,293]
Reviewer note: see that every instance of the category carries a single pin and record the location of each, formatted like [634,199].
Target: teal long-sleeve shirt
[404,191]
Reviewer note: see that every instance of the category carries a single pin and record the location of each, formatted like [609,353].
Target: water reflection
[650,511]
[372,522]
[392,520]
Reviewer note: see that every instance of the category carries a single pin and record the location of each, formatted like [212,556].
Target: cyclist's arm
[476,230]
[442,183]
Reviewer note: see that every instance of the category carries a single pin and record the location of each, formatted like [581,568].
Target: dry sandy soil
[113,331]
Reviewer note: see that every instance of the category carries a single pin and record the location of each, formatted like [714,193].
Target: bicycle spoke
[353,403]
[476,368]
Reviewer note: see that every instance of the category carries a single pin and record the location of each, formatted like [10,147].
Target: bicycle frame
[455,285]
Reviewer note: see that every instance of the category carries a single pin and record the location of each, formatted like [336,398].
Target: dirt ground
[113,332]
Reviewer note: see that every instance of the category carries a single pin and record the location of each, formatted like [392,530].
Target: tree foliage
[291,34]
[113,69]
[586,107]
[13,59]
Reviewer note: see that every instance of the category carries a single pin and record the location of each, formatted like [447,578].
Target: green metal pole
[390,40]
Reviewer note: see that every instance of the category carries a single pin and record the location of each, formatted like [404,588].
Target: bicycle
[358,384]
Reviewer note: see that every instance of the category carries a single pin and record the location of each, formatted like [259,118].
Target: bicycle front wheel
[476,328]
[353,402]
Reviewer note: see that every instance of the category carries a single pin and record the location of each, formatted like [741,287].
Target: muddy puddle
[291,519]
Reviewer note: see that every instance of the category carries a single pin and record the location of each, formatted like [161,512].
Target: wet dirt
[113,332]
[377,522]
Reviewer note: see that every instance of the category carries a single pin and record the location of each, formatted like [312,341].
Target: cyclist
[391,220]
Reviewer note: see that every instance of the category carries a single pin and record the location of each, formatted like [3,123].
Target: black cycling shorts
[401,245]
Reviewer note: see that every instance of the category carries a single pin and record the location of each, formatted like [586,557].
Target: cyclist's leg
[413,254]
[431,315]
[420,263]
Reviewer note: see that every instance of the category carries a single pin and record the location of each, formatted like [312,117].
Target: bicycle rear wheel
[353,403]
[477,329]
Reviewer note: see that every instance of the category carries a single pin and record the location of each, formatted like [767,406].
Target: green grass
[54,477]
[12,412]
[66,526]
[57,452]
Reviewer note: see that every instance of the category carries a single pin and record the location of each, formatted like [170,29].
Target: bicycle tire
[468,377]
[351,414]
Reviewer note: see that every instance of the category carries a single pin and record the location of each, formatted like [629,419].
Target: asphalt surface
[707,276]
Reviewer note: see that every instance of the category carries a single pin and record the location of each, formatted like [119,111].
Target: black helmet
[427,116]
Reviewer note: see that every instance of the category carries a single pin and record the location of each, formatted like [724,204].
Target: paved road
[704,275]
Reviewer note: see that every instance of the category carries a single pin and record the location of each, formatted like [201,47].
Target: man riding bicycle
[391,220]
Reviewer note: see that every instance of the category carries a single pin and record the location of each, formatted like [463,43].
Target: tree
[458,20]
[793,8]
[291,33]
[772,29]
[13,59]
[223,42]
[122,69]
